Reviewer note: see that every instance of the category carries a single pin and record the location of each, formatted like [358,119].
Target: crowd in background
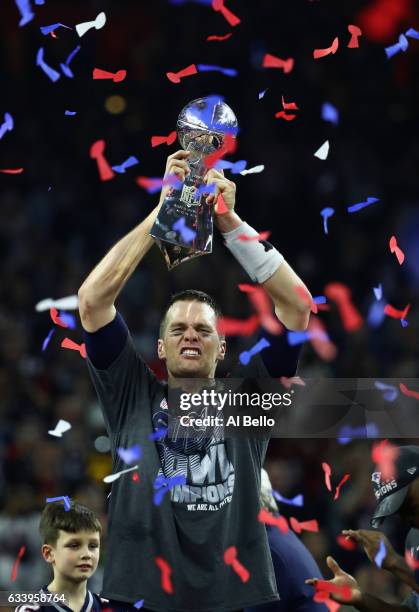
[57,219]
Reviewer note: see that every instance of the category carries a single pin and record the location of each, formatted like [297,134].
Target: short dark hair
[55,517]
[189,295]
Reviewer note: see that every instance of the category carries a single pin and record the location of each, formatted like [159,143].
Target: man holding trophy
[178,554]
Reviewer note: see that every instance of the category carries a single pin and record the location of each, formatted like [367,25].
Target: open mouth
[190,353]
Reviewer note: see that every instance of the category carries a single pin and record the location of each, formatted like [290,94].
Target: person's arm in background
[99,291]
[370,540]
[261,258]
[361,601]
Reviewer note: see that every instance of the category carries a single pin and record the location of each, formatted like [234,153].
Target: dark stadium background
[57,219]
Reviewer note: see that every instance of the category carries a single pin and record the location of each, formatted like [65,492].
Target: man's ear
[161,351]
[222,350]
[47,552]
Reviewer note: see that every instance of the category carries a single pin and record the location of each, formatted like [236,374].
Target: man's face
[191,345]
[409,511]
[75,555]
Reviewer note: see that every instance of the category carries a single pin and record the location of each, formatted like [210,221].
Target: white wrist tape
[259,258]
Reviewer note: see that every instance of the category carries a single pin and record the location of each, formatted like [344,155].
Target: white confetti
[254,170]
[323,152]
[98,23]
[113,477]
[60,428]
[70,302]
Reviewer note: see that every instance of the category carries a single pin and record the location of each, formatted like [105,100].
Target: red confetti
[323,586]
[116,77]
[166,570]
[175,77]
[73,346]
[384,454]
[294,380]
[327,473]
[230,558]
[284,115]
[158,140]
[225,37]
[20,554]
[97,152]
[276,521]
[325,349]
[394,248]
[411,561]
[289,105]
[229,146]
[332,606]
[263,306]
[12,171]
[408,392]
[221,207]
[236,327]
[342,482]
[218,6]
[247,288]
[299,526]
[355,34]
[317,53]
[55,318]
[346,543]
[395,313]
[306,297]
[270,61]
[135,477]
[261,236]
[341,294]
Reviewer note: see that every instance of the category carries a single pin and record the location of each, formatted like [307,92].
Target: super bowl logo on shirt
[376,477]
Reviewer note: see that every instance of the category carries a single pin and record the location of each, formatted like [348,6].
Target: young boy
[71,545]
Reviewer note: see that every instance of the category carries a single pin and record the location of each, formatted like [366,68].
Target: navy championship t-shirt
[195,523]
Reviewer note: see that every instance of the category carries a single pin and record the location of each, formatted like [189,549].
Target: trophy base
[175,254]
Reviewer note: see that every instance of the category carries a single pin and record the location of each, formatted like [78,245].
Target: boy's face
[75,555]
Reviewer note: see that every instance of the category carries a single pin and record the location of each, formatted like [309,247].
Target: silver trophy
[184,226]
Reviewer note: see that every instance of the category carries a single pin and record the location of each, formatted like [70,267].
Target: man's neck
[75,592]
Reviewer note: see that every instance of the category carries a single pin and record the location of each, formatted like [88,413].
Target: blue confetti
[412,33]
[347,434]
[165,484]
[64,498]
[231,72]
[402,45]
[47,339]
[138,604]
[330,113]
[50,28]
[320,299]
[159,434]
[7,126]
[186,233]
[68,319]
[390,391]
[130,455]
[234,167]
[298,500]
[262,94]
[246,356]
[50,72]
[25,10]
[356,207]
[326,213]
[381,555]
[69,113]
[131,161]
[378,292]
[404,323]
[376,314]
[298,337]
[66,66]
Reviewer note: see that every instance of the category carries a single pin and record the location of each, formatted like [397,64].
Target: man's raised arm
[99,291]
[261,260]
